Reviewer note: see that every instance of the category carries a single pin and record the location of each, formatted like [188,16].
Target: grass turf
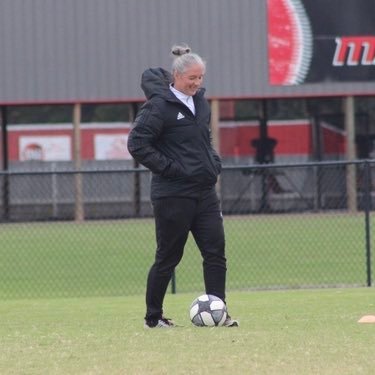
[281,332]
[112,258]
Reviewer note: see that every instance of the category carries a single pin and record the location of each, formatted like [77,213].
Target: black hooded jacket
[171,142]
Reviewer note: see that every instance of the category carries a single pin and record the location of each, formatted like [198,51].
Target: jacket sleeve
[142,140]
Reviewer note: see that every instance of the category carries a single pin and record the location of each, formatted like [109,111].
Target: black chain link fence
[65,233]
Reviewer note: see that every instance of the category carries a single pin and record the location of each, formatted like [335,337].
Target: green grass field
[281,332]
[112,258]
[72,300]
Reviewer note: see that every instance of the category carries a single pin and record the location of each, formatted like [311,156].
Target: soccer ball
[208,311]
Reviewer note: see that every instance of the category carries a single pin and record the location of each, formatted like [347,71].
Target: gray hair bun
[179,50]
[183,58]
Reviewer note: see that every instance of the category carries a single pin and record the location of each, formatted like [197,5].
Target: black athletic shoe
[159,323]
[229,322]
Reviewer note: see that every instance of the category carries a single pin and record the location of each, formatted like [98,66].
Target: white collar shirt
[185,99]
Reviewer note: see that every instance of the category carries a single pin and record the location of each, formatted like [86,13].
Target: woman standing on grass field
[171,137]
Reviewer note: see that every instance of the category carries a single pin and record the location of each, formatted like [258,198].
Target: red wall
[293,138]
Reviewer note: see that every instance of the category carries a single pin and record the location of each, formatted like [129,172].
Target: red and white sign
[354,50]
[52,142]
[111,146]
[289,42]
[321,41]
[45,148]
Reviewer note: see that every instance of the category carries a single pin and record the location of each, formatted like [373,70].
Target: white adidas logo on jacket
[180,116]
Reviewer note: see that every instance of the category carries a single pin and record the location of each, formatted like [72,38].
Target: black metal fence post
[173,283]
[5,159]
[367,208]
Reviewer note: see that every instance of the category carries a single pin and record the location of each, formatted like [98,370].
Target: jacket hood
[155,82]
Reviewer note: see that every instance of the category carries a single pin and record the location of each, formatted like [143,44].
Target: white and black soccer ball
[208,311]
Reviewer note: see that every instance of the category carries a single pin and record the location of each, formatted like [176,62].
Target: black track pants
[174,219]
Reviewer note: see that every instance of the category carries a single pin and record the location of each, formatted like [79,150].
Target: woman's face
[190,80]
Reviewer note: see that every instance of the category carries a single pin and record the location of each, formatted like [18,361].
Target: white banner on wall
[111,146]
[45,148]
